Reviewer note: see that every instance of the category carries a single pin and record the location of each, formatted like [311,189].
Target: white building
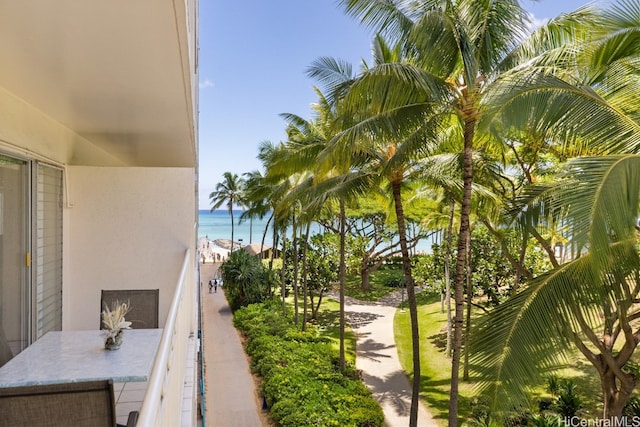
[98,173]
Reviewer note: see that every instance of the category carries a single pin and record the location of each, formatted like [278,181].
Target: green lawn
[329,324]
[434,365]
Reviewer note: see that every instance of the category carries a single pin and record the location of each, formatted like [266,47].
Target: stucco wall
[124,228]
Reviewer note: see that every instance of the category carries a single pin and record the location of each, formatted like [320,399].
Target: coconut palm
[387,154]
[228,191]
[275,185]
[457,49]
[256,201]
[587,304]
[306,140]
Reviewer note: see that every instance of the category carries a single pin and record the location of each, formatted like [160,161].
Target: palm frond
[555,44]
[390,17]
[531,334]
[547,104]
[493,29]
[335,75]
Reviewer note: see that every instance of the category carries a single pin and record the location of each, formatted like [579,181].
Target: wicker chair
[143,304]
[81,404]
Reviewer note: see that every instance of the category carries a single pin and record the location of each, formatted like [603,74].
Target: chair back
[143,304]
[81,404]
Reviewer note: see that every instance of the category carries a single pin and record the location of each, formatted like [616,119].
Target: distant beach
[214,233]
[217,225]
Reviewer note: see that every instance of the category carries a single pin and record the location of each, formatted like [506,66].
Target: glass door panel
[13,257]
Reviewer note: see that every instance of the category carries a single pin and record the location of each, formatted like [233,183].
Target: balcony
[98,173]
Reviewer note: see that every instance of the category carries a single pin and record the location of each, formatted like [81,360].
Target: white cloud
[206,83]
[535,23]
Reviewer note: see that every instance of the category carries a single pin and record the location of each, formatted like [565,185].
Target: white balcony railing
[166,392]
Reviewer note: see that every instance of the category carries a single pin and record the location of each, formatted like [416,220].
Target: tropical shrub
[302,383]
[246,280]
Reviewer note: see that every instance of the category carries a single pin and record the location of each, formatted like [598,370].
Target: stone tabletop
[73,356]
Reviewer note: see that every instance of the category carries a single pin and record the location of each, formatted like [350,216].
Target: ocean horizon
[217,225]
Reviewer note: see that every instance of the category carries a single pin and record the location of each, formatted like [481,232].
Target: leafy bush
[395,281]
[568,401]
[565,392]
[301,382]
[246,280]
[632,408]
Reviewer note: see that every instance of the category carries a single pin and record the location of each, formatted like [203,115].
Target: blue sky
[253,57]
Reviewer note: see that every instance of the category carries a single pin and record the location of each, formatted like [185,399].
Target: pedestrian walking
[211,285]
[215,286]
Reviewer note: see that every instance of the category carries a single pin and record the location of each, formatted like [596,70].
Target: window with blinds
[47,250]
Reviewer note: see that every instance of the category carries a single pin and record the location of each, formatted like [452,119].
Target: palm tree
[256,201]
[306,140]
[457,49]
[274,187]
[387,154]
[228,191]
[588,303]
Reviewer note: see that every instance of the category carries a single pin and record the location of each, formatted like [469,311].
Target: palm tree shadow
[439,341]
[371,349]
[393,389]
[360,319]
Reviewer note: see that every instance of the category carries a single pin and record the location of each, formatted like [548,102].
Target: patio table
[72,356]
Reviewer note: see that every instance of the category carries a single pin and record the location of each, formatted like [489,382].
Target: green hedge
[301,380]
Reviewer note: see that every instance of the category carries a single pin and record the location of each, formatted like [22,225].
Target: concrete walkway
[230,392]
[377,358]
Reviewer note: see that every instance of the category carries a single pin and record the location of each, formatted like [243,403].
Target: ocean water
[217,225]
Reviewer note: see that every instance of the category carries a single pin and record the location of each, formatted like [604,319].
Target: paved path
[377,358]
[230,392]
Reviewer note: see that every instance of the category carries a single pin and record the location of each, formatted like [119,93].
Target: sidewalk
[230,392]
[377,358]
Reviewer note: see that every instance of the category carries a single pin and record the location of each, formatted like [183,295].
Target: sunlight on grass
[329,324]
[434,365]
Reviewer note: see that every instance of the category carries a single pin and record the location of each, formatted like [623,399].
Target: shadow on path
[377,359]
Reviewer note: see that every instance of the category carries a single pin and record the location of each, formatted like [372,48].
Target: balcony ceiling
[114,71]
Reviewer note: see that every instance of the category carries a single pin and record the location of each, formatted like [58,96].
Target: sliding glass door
[30,253]
[14,259]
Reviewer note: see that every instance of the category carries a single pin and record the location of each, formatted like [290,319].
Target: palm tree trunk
[465,211]
[342,278]
[282,275]
[467,335]
[275,242]
[304,276]
[447,278]
[296,308]
[411,299]
[231,213]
